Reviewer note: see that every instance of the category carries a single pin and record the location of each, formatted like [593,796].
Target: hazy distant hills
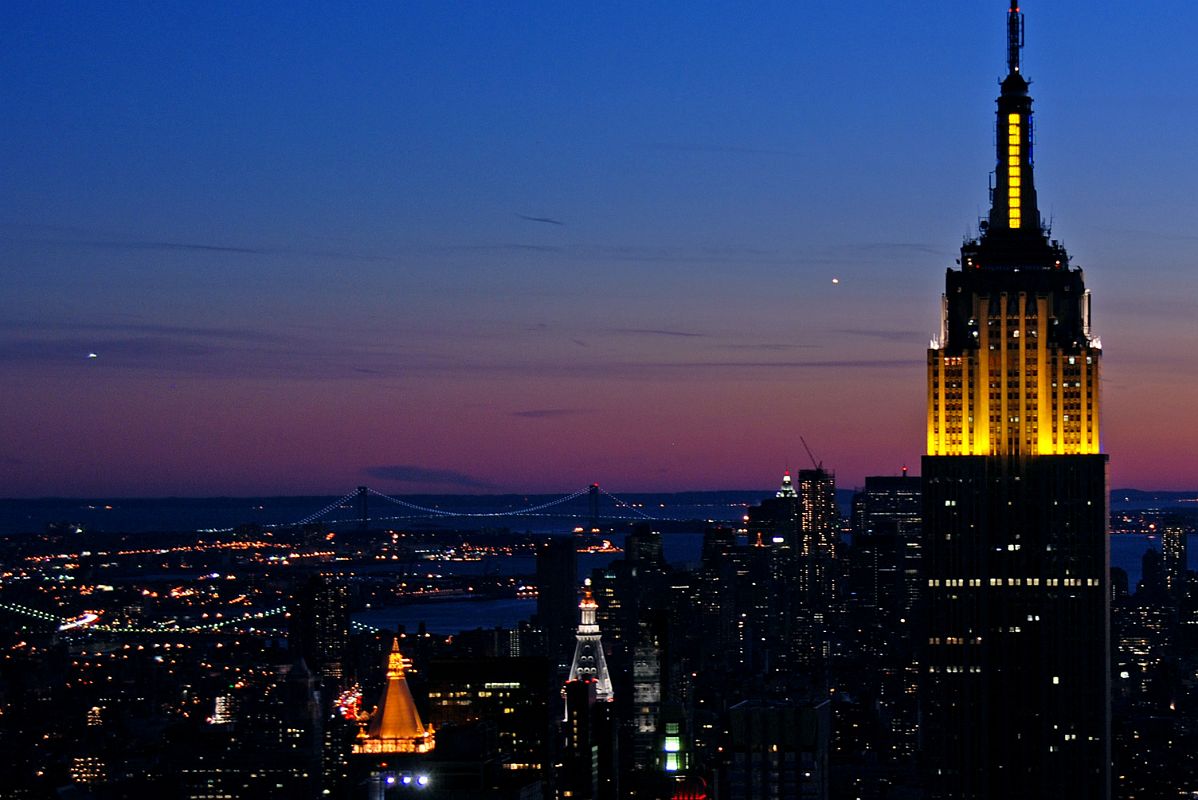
[132,515]
[1142,498]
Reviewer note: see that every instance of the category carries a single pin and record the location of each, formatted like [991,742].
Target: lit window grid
[1014,172]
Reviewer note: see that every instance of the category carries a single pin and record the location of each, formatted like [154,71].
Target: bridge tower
[593,498]
[363,507]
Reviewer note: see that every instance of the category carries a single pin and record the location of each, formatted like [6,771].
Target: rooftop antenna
[1014,36]
[817,465]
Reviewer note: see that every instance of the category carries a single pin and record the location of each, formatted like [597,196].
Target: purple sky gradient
[472,247]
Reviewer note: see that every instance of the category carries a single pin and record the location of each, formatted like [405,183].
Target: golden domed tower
[395,726]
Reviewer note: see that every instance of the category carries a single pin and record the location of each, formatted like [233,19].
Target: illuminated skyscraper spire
[1014,685]
[589,662]
[788,487]
[1014,370]
[1014,202]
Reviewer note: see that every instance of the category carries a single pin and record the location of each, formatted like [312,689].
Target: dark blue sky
[527,246]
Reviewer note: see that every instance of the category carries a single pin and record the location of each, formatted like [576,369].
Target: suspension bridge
[359,500]
[90,623]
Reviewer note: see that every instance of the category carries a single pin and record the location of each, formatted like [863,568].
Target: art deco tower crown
[1015,661]
[1014,370]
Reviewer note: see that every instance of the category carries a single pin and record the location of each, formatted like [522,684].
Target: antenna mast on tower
[1014,36]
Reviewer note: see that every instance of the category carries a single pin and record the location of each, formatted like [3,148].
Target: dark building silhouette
[884,574]
[588,769]
[883,591]
[321,625]
[775,522]
[769,603]
[777,751]
[1015,693]
[508,693]
[557,588]
[1119,587]
[1153,583]
[817,591]
[271,751]
[643,548]
[645,716]
[1154,738]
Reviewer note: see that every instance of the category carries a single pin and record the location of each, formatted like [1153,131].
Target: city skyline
[493,252]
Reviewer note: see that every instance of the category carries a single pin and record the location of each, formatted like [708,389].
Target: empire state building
[1015,668]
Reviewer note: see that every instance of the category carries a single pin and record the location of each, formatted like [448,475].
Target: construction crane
[818,465]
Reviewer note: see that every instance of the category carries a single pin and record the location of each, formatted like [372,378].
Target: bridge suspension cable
[327,509]
[534,510]
[625,504]
[33,613]
[515,513]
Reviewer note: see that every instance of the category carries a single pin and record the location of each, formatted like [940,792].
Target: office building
[1015,694]
[557,587]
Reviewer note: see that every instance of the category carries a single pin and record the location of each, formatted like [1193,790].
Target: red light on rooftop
[693,788]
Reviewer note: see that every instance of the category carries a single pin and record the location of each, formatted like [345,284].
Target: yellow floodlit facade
[1015,370]
[1016,391]
[1014,678]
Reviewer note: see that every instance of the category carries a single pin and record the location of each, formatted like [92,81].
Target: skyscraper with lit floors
[1015,681]
[589,759]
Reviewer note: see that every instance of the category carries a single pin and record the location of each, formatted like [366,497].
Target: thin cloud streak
[71,351]
[141,244]
[201,247]
[664,254]
[219,351]
[219,354]
[722,149]
[546,220]
[414,473]
[885,335]
[658,332]
[550,413]
[767,346]
[501,246]
[234,334]
[921,248]
[830,364]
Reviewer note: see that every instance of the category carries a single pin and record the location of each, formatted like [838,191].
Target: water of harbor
[452,616]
